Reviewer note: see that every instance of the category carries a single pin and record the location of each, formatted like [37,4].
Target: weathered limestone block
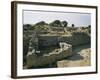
[63,63]
[36,61]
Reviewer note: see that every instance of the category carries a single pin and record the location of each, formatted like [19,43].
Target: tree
[64,23]
[41,23]
[26,26]
[73,25]
[56,23]
[89,26]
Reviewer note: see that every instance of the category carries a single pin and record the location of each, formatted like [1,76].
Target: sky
[78,19]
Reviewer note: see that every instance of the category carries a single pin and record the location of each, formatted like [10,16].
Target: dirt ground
[80,57]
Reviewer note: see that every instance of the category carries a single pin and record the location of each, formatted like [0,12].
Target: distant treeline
[43,24]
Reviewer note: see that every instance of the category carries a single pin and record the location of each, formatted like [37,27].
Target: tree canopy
[73,25]
[64,23]
[56,23]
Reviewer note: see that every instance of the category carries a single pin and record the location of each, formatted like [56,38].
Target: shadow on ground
[76,57]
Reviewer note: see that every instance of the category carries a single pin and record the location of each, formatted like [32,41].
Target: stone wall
[45,41]
[54,40]
[74,40]
[39,61]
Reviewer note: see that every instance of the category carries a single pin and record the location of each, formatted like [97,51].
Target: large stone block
[36,61]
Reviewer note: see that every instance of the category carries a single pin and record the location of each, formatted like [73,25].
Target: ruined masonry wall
[73,40]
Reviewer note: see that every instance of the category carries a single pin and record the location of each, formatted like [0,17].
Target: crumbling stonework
[65,43]
[74,39]
[36,61]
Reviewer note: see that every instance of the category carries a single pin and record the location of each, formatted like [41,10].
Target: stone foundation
[36,61]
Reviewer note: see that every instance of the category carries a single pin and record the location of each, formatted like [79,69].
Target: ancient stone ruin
[63,47]
[34,59]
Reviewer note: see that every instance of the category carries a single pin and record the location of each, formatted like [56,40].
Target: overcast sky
[79,19]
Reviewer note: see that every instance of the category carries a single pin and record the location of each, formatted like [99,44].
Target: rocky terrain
[41,42]
[81,57]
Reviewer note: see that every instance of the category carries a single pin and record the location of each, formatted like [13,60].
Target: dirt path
[81,57]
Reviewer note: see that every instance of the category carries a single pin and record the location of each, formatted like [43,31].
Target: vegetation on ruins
[72,35]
